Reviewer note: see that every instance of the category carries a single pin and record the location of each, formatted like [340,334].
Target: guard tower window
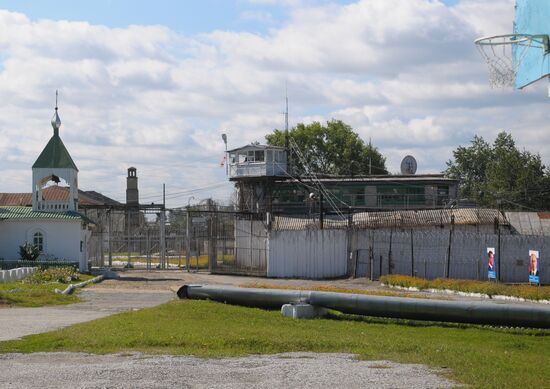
[38,240]
[259,156]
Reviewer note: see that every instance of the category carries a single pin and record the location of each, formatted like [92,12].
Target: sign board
[491,263]
[534,267]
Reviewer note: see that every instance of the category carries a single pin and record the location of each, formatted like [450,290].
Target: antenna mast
[287,148]
[286,110]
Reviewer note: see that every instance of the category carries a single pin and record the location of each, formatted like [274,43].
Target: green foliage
[479,357]
[333,148]
[485,287]
[29,252]
[500,174]
[37,294]
[62,275]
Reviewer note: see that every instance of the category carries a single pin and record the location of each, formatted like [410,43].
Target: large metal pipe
[483,312]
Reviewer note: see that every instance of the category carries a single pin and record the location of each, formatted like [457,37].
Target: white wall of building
[62,239]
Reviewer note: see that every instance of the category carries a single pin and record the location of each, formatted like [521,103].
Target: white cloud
[404,73]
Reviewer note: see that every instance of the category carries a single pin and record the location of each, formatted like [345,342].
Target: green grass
[20,294]
[201,262]
[480,356]
[526,291]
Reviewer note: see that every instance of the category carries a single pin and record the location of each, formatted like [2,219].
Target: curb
[466,294]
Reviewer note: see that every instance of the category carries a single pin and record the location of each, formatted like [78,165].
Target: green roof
[25,213]
[55,155]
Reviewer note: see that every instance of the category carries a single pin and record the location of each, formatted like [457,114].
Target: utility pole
[162,229]
[224,137]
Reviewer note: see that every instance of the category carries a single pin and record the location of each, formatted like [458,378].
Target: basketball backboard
[520,58]
[532,18]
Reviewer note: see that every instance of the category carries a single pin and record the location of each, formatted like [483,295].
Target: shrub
[29,252]
[470,286]
[64,275]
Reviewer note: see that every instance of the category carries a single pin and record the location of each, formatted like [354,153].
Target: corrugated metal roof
[384,179]
[13,213]
[398,219]
[55,193]
[256,147]
[529,223]
[428,217]
[15,199]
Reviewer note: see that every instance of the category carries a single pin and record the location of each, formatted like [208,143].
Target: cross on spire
[56,121]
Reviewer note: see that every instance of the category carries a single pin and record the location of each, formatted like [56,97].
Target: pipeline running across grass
[480,356]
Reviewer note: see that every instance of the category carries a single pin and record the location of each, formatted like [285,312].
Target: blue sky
[186,17]
[183,16]
[158,95]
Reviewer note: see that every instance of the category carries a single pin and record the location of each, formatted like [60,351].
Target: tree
[500,174]
[333,148]
[29,252]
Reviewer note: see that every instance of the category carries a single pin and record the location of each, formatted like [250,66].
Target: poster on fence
[491,263]
[534,263]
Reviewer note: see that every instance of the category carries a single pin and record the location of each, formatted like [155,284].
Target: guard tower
[254,168]
[132,193]
[53,166]
[132,201]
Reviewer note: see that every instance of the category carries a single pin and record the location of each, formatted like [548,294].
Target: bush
[29,252]
[469,286]
[64,275]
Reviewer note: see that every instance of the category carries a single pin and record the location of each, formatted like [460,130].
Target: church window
[38,240]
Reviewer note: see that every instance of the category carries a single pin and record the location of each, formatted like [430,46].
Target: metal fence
[452,254]
[199,238]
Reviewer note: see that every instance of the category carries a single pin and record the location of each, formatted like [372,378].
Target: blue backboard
[533,18]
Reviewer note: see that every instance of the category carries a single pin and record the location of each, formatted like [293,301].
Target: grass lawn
[22,294]
[529,292]
[483,357]
[195,263]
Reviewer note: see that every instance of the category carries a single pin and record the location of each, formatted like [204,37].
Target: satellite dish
[408,165]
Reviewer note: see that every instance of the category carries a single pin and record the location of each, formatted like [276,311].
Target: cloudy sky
[154,84]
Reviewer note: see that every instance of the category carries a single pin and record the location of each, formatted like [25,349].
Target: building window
[38,240]
[81,246]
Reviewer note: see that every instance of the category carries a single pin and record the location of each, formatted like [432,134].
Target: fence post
[212,254]
[321,211]
[371,256]
[412,253]
[187,241]
[499,257]
[162,239]
[110,226]
[390,253]
[448,265]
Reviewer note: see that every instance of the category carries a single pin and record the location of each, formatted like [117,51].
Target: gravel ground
[304,370]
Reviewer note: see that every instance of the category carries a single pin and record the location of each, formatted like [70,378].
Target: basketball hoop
[504,55]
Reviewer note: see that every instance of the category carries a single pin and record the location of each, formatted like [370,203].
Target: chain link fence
[198,238]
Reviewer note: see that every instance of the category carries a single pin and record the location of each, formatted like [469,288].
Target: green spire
[55,154]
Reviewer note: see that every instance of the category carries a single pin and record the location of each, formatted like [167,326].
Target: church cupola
[55,175]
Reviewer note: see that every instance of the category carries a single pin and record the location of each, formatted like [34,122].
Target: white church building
[54,225]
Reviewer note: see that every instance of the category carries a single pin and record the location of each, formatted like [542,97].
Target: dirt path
[18,322]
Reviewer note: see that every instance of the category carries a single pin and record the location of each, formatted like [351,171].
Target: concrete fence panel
[314,254]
